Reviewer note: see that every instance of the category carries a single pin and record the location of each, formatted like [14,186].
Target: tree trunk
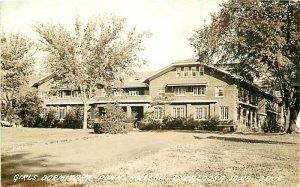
[85,115]
[287,119]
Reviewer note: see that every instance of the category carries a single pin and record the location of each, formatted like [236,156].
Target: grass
[167,158]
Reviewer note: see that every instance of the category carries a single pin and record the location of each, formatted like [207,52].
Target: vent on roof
[136,79]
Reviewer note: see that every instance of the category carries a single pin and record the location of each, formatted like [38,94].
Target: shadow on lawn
[233,139]
[20,164]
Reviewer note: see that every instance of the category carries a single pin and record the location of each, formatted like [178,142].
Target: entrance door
[139,110]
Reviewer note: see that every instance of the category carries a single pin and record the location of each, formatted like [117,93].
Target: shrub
[30,106]
[150,125]
[71,121]
[270,126]
[49,120]
[211,124]
[112,127]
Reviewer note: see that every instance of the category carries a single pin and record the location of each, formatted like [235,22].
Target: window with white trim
[61,113]
[201,112]
[193,71]
[160,92]
[44,95]
[178,72]
[75,94]
[186,71]
[179,91]
[118,93]
[133,93]
[220,92]
[92,113]
[224,112]
[201,70]
[178,111]
[158,112]
[61,94]
[199,91]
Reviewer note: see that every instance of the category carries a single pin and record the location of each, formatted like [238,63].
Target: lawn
[64,157]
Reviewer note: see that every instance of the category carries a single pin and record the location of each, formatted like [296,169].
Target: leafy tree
[263,36]
[16,66]
[30,106]
[92,55]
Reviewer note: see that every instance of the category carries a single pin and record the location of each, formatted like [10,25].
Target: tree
[16,66]
[263,36]
[93,55]
[30,106]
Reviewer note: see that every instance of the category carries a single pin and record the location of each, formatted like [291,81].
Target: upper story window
[118,93]
[61,94]
[133,93]
[178,72]
[179,91]
[44,95]
[201,70]
[199,91]
[220,92]
[160,92]
[75,94]
[186,71]
[193,71]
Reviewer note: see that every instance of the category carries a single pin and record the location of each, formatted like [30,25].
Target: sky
[171,22]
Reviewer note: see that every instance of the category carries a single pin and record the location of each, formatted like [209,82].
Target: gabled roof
[130,81]
[170,67]
[224,72]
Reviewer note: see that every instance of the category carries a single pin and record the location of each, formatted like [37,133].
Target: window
[178,111]
[61,113]
[158,113]
[179,91]
[61,94]
[201,112]
[219,92]
[201,70]
[75,94]
[44,112]
[44,95]
[178,72]
[186,71]
[133,93]
[199,91]
[118,93]
[92,113]
[193,71]
[224,113]
[160,92]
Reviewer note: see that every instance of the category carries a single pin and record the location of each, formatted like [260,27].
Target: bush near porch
[169,123]
[114,121]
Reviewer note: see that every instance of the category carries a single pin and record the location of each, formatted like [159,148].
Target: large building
[182,89]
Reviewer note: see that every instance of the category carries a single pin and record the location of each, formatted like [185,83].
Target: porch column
[128,108]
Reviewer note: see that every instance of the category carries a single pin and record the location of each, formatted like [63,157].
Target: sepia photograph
[157,93]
